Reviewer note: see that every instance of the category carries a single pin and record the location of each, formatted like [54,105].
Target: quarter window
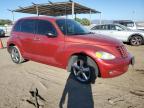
[17,26]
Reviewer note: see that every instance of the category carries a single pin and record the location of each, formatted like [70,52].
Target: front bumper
[113,68]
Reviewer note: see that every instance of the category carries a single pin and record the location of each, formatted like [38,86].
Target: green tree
[3,22]
[85,22]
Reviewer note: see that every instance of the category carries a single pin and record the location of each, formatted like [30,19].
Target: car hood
[136,32]
[93,39]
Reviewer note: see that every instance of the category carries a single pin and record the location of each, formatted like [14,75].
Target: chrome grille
[123,51]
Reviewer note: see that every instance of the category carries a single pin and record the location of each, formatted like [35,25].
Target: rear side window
[105,27]
[28,26]
[101,27]
[44,27]
[96,27]
[17,26]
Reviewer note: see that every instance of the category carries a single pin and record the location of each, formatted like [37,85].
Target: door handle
[36,39]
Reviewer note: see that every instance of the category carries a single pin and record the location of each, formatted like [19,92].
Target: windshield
[130,24]
[127,24]
[71,27]
[123,27]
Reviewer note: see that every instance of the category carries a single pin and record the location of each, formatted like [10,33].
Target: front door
[47,42]
[118,33]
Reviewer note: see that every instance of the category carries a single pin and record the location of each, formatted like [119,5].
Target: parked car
[66,44]
[2,32]
[129,24]
[134,37]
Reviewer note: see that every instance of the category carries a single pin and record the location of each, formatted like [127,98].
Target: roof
[56,9]
[122,21]
[49,18]
[42,17]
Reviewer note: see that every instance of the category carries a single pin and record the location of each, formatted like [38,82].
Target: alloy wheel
[136,40]
[81,71]
[15,55]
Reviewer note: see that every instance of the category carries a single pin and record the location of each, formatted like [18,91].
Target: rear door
[105,30]
[96,29]
[27,35]
[46,47]
[102,29]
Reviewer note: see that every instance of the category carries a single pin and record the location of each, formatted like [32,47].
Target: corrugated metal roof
[56,9]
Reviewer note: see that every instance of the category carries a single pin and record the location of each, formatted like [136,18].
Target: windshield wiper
[80,33]
[90,33]
[76,34]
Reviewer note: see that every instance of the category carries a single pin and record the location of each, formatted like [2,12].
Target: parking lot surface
[33,85]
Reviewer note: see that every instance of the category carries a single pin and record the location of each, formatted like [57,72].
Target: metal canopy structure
[57,9]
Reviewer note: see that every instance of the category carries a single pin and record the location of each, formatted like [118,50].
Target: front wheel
[136,40]
[84,69]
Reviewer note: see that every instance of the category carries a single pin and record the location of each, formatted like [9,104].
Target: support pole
[13,17]
[100,19]
[73,10]
[66,11]
[90,17]
[37,10]
[75,16]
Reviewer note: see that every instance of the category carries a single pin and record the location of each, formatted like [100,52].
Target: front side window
[112,27]
[119,28]
[116,27]
[45,27]
[28,26]
[71,27]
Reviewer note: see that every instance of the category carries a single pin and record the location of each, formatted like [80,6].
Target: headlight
[104,55]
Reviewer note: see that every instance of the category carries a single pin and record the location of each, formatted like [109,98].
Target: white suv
[135,37]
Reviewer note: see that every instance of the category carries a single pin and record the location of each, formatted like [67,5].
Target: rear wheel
[84,69]
[136,40]
[16,55]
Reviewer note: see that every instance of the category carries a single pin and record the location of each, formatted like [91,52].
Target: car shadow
[76,94]
[4,36]
[127,43]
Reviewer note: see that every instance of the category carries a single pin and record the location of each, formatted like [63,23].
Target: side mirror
[50,34]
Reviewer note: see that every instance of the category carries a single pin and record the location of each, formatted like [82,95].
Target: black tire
[16,55]
[136,40]
[84,69]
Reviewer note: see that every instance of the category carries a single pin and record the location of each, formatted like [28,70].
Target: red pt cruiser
[66,44]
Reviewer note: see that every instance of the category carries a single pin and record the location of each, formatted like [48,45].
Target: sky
[111,9]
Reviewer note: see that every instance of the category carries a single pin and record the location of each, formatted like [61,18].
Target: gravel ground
[35,85]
